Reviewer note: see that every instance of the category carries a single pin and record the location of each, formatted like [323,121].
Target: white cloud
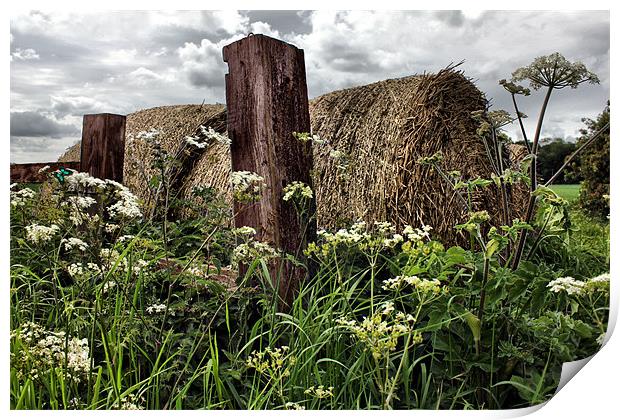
[25,54]
[143,76]
[213,22]
[63,106]
[203,64]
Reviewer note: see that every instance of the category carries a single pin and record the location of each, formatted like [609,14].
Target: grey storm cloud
[65,65]
[34,124]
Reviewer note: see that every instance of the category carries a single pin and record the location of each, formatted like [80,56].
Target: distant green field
[569,192]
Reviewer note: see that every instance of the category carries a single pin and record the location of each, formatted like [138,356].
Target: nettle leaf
[456,255]
[492,247]
[472,321]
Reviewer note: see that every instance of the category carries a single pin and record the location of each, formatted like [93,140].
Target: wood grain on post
[29,172]
[267,100]
[103,146]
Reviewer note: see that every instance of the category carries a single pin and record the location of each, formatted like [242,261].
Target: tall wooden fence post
[267,100]
[103,146]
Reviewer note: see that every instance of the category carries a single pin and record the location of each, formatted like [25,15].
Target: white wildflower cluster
[127,204]
[132,402]
[198,270]
[79,271]
[599,283]
[78,209]
[81,202]
[39,234]
[43,350]
[44,169]
[380,333]
[423,286]
[22,197]
[148,135]
[247,186]
[252,250]
[297,191]
[320,392]
[156,308]
[110,227]
[72,243]
[244,231]
[111,257]
[293,406]
[274,363]
[84,180]
[125,238]
[79,217]
[578,288]
[211,134]
[417,234]
[107,286]
[382,235]
[568,285]
[194,141]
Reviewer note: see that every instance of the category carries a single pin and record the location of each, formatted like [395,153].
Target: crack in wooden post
[267,100]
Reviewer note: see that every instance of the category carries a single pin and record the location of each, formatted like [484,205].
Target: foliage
[552,154]
[389,320]
[593,167]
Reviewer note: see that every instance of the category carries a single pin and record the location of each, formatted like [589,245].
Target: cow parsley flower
[43,351]
[293,406]
[568,285]
[39,234]
[148,135]
[244,230]
[84,180]
[76,270]
[247,186]
[131,402]
[81,202]
[193,141]
[598,284]
[421,285]
[71,243]
[127,204]
[297,191]
[156,308]
[417,234]
[20,198]
[320,392]
[252,250]
[211,134]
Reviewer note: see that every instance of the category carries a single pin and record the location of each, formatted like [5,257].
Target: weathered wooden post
[103,146]
[267,100]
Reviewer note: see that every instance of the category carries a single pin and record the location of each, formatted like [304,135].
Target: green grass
[569,192]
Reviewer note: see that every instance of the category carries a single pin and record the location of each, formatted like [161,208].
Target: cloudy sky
[65,65]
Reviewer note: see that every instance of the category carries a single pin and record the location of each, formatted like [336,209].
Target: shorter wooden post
[103,146]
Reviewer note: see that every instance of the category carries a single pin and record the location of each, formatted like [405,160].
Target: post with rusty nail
[103,146]
[267,100]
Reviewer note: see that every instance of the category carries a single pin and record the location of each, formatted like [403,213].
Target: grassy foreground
[111,310]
